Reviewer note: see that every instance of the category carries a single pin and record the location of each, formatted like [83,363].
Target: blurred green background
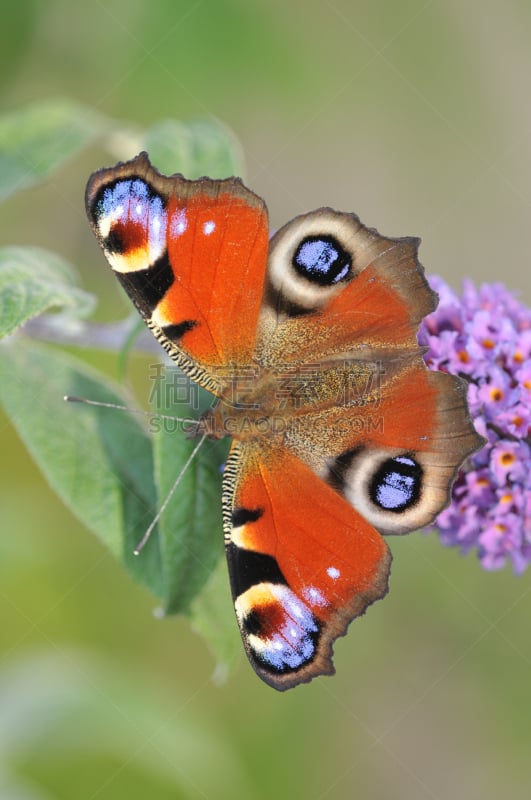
[416,115]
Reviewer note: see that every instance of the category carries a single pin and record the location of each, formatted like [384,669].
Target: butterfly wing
[335,287]
[394,455]
[302,563]
[191,255]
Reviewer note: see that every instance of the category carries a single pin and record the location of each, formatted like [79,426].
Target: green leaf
[194,149]
[33,280]
[191,531]
[37,139]
[102,464]
[99,461]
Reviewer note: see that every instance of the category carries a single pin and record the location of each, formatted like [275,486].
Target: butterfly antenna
[72,399]
[164,505]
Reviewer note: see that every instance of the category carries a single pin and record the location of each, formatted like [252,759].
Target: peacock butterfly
[341,435]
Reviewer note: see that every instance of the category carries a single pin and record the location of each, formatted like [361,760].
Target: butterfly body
[340,433]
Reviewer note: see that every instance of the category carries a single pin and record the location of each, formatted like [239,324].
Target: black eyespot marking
[176,332]
[241,516]
[252,624]
[247,568]
[322,260]
[338,470]
[147,287]
[119,240]
[283,305]
[396,484]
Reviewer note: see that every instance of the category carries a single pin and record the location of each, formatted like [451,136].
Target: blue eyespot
[397,483]
[322,259]
[132,201]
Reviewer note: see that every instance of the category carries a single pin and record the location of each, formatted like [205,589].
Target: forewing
[302,563]
[192,257]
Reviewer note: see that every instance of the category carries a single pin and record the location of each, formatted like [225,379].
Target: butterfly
[340,434]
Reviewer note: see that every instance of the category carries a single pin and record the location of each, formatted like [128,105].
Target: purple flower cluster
[484,335]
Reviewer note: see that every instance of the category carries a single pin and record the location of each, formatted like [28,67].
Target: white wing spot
[333,572]
[138,209]
[314,596]
[179,223]
[209,227]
